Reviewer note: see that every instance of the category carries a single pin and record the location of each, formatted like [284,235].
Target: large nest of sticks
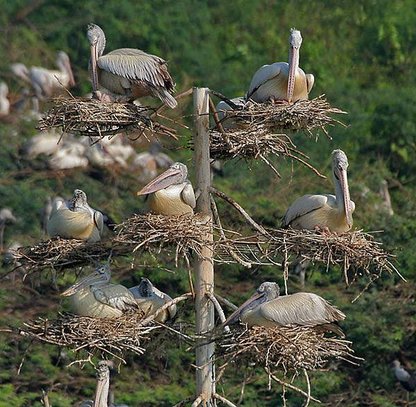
[287,347]
[356,252]
[150,231]
[96,336]
[92,118]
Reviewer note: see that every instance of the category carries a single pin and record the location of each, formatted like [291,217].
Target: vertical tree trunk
[204,267]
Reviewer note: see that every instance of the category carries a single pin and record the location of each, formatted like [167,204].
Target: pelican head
[79,199]
[101,275]
[295,41]
[267,291]
[145,288]
[339,169]
[63,62]
[176,174]
[96,38]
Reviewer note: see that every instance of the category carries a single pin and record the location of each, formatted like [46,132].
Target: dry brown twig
[93,118]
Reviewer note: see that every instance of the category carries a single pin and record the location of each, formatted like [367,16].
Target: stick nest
[96,336]
[92,118]
[156,231]
[356,252]
[286,347]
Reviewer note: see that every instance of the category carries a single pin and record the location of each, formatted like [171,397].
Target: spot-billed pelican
[223,107]
[325,211]
[45,142]
[171,193]
[407,379]
[94,296]
[282,80]
[128,72]
[76,219]
[150,299]
[267,308]
[4,102]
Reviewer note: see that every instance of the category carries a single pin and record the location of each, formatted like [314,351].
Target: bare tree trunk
[204,267]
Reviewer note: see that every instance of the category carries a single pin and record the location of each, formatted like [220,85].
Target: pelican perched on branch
[75,219]
[171,193]
[94,296]
[328,212]
[128,73]
[282,80]
[150,299]
[267,308]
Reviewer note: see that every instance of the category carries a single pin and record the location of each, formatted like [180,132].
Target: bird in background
[171,193]
[75,219]
[126,74]
[6,218]
[328,212]
[406,377]
[4,101]
[282,81]
[94,296]
[150,299]
[267,308]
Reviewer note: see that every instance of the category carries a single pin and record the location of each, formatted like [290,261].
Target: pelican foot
[275,101]
[102,97]
[322,230]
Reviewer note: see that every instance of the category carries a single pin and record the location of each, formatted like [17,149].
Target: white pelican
[70,155]
[45,142]
[267,308]
[407,379]
[328,212]
[150,299]
[94,296]
[4,102]
[128,72]
[171,193]
[76,219]
[151,161]
[6,217]
[282,80]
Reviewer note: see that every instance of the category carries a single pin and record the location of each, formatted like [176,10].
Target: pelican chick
[282,80]
[128,73]
[267,308]
[94,296]
[332,212]
[171,193]
[75,219]
[150,299]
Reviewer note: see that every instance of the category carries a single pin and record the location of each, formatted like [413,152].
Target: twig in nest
[93,118]
[111,336]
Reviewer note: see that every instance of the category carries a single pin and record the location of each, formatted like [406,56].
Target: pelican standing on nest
[171,193]
[327,212]
[75,219]
[128,73]
[95,297]
[266,308]
[150,299]
[282,80]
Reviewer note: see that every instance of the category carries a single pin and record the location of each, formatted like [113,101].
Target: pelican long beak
[169,177]
[236,314]
[89,280]
[343,179]
[94,73]
[293,66]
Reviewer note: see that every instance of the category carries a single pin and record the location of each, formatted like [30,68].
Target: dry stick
[308,384]
[226,302]
[217,219]
[151,317]
[45,399]
[215,116]
[220,311]
[224,400]
[290,386]
[183,402]
[198,401]
[242,211]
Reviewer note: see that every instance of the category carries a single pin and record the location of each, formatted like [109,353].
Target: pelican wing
[304,205]
[135,64]
[188,195]
[115,296]
[99,221]
[66,223]
[265,74]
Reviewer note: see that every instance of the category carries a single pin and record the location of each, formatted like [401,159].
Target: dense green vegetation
[362,55]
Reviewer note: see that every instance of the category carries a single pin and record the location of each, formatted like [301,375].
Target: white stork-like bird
[150,299]
[94,296]
[75,219]
[327,212]
[126,74]
[171,193]
[282,80]
[4,101]
[267,308]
